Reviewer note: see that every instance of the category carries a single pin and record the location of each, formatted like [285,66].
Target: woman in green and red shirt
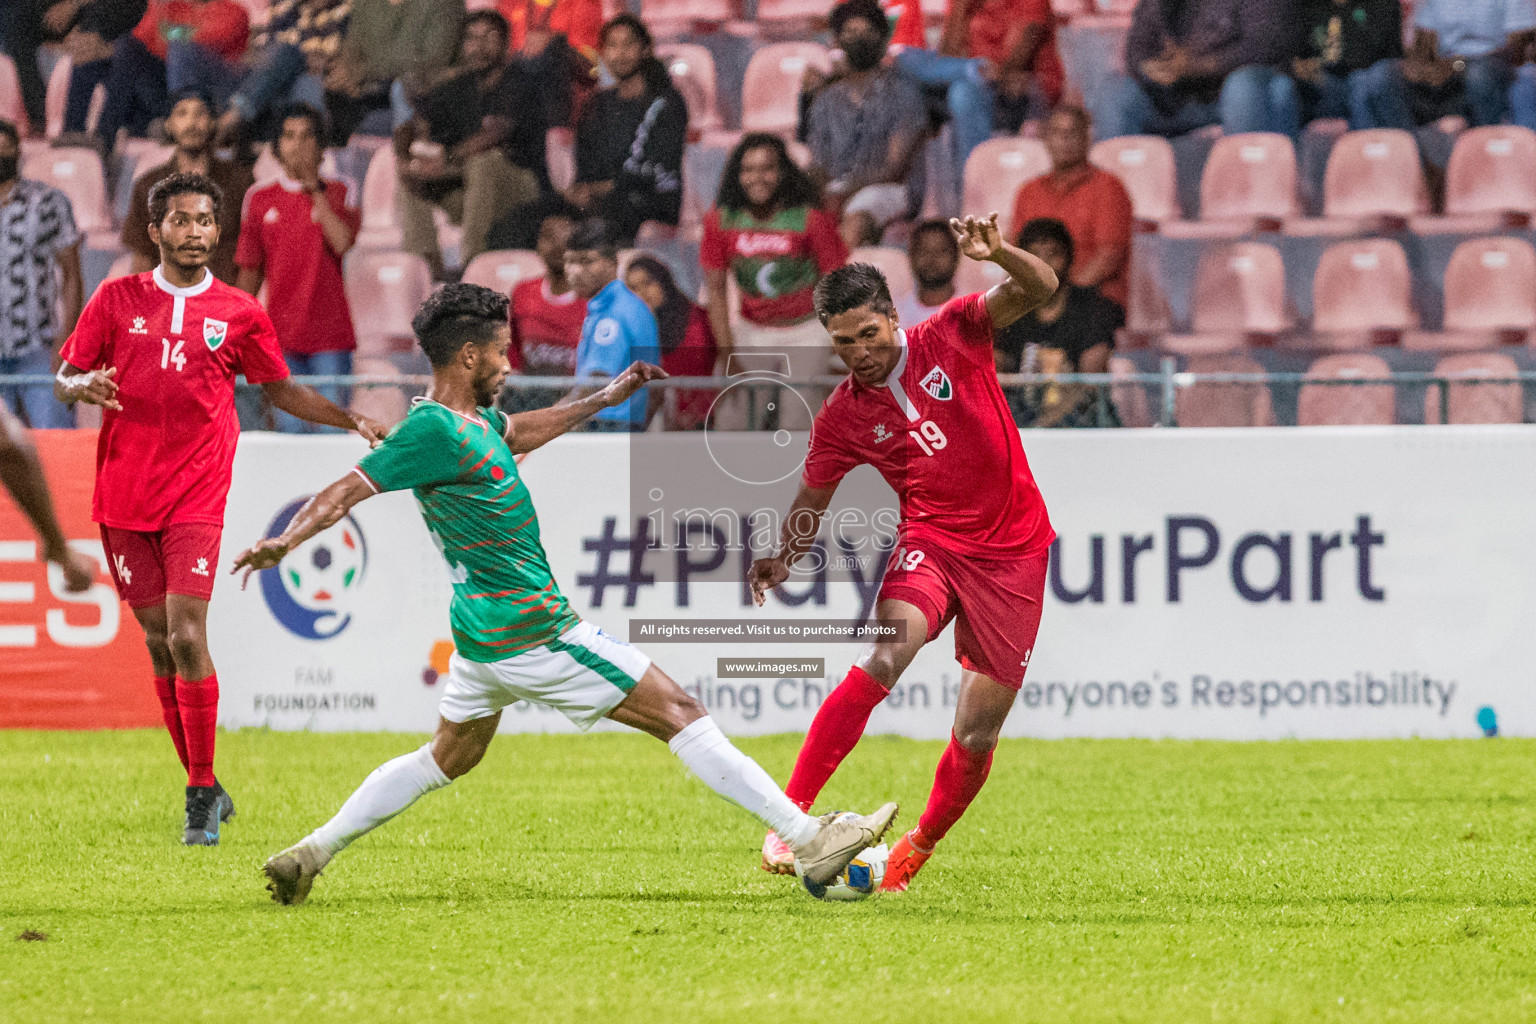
[768,231]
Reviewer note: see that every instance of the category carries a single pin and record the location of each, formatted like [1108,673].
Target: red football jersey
[166,457]
[546,328]
[940,433]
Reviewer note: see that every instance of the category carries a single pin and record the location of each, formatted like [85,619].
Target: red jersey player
[923,406]
[160,352]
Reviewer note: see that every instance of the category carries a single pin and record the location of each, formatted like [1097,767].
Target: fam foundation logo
[310,592]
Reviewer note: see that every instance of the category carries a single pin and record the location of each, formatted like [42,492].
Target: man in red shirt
[1092,203]
[201,42]
[924,408]
[159,352]
[547,314]
[293,234]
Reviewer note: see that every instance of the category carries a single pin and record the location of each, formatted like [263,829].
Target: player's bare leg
[841,719]
[983,708]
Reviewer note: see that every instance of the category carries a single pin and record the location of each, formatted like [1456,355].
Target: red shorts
[995,603]
[183,559]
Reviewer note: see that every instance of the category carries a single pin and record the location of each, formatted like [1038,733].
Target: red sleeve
[515,350]
[148,31]
[581,21]
[1021,208]
[712,249]
[963,325]
[829,459]
[93,330]
[261,359]
[249,254]
[827,242]
[1034,12]
[224,27]
[343,199]
[909,26]
[1112,218]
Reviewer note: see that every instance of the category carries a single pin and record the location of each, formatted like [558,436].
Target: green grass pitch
[589,879]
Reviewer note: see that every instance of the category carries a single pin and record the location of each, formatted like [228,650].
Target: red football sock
[165,689]
[836,729]
[199,704]
[959,778]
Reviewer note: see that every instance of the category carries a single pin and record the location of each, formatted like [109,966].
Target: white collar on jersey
[893,381]
[901,363]
[183,293]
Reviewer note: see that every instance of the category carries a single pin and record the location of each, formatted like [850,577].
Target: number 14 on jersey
[169,355]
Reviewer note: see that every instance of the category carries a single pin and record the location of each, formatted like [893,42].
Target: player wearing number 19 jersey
[923,407]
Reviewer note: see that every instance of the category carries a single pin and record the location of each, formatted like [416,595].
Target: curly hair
[456,315]
[795,186]
[182,185]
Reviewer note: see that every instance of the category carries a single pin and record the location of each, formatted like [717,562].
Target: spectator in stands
[1091,202]
[21,31]
[768,232]
[290,57]
[293,235]
[1074,332]
[558,42]
[999,63]
[863,129]
[619,327]
[687,344]
[1342,44]
[1192,63]
[39,280]
[100,40]
[190,129]
[1462,61]
[475,147]
[547,314]
[391,48]
[201,42]
[934,256]
[629,141]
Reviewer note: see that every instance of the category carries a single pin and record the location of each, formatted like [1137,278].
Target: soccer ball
[859,880]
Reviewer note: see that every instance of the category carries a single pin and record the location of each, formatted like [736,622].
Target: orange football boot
[905,861]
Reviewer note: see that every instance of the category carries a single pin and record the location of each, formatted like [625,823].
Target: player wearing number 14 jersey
[923,406]
[159,352]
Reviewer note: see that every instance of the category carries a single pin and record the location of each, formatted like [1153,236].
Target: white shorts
[583,675]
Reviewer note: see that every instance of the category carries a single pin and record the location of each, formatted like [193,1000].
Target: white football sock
[709,755]
[390,789]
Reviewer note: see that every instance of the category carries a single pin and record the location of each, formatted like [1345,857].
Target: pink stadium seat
[674,12]
[1375,173]
[1490,285]
[385,288]
[1224,405]
[1492,170]
[560,155]
[76,172]
[1477,403]
[977,277]
[693,72]
[791,10]
[11,107]
[1363,286]
[388,405]
[1250,178]
[57,96]
[1240,289]
[1201,344]
[771,90]
[892,263]
[1144,165]
[381,222]
[995,170]
[800,153]
[504,269]
[1130,399]
[1345,405]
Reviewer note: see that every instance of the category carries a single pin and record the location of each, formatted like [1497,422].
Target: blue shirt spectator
[1473,28]
[619,329]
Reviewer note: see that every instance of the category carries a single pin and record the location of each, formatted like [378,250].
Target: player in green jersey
[515,635]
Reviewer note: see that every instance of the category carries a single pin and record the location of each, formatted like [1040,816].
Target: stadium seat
[1346,405]
[892,263]
[800,153]
[1130,399]
[1490,286]
[1144,165]
[381,222]
[977,277]
[76,172]
[388,405]
[504,269]
[693,73]
[682,13]
[560,156]
[1476,403]
[1375,173]
[385,288]
[1240,289]
[1492,171]
[121,267]
[791,10]
[11,107]
[1363,286]
[995,170]
[770,92]
[56,98]
[1224,405]
[1249,181]
[1147,310]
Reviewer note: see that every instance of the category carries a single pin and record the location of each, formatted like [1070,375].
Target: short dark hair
[869,10]
[1047,229]
[194,94]
[852,286]
[631,22]
[9,130]
[455,315]
[306,112]
[795,186]
[493,18]
[180,185]
[591,234]
[934,227]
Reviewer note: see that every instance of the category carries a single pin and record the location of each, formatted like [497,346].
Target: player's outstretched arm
[1030,282]
[324,510]
[800,528]
[308,404]
[22,475]
[530,430]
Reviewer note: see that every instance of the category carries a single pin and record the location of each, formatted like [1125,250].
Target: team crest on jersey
[215,330]
[138,326]
[937,384]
